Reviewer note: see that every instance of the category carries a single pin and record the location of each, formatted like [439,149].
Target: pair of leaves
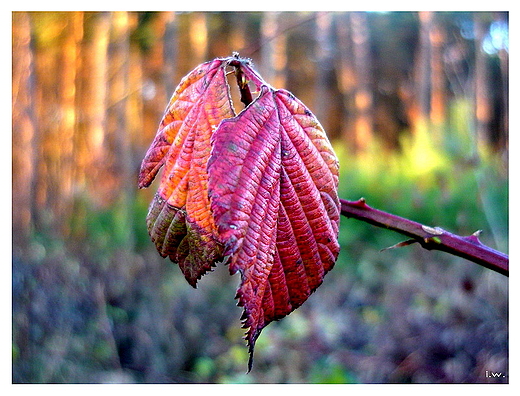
[257,190]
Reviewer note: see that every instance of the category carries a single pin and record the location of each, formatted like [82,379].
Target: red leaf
[273,190]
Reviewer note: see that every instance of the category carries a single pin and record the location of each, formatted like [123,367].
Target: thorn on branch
[473,238]
[361,202]
[400,244]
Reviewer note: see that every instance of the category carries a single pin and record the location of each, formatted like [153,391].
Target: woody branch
[430,238]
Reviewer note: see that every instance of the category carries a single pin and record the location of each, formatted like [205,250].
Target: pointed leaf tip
[273,186]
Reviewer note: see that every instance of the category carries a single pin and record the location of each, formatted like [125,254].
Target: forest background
[416,105]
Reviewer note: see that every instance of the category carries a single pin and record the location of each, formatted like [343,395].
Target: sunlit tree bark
[57,50]
[69,63]
[92,101]
[45,98]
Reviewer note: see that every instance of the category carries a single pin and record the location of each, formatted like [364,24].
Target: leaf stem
[245,93]
[468,247]
[244,74]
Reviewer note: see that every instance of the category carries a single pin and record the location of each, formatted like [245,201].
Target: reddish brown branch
[468,247]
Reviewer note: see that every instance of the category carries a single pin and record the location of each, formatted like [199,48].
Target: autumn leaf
[272,187]
[179,220]
[258,190]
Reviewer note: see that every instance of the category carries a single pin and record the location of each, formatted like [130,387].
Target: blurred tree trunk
[24,134]
[57,50]
[420,106]
[324,63]
[122,187]
[238,37]
[273,50]
[482,94]
[198,32]
[364,117]
[46,107]
[170,54]
[154,94]
[438,80]
[346,77]
[503,56]
[69,63]
[24,127]
[91,128]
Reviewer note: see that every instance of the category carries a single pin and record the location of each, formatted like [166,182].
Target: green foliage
[435,183]
[330,372]
[113,227]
